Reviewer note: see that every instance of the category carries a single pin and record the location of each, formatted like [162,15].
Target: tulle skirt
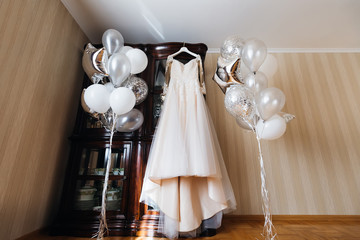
[186,176]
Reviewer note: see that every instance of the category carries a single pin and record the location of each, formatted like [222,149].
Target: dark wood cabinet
[81,197]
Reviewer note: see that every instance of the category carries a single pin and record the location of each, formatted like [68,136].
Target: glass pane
[117,162]
[156,108]
[89,194]
[94,161]
[160,66]
[92,122]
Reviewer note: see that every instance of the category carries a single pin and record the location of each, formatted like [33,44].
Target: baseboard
[34,233]
[355,218]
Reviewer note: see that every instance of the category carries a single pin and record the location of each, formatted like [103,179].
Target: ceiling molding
[302,50]
[314,50]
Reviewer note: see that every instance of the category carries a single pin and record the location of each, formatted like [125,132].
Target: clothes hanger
[185,50]
[168,67]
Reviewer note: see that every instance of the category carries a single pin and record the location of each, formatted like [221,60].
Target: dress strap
[167,77]
[201,76]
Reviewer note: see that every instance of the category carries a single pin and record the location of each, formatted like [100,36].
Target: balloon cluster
[114,93]
[115,89]
[255,106]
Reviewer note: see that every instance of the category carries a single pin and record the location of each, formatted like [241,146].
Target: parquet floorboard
[235,228]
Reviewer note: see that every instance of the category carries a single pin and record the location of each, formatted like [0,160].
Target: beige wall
[40,82]
[314,168]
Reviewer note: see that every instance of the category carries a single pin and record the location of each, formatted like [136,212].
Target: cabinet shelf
[110,214]
[101,177]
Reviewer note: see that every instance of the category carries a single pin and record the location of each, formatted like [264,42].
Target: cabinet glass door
[94,161]
[92,122]
[91,175]
[89,195]
[159,81]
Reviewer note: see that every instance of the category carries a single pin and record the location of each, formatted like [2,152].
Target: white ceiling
[284,25]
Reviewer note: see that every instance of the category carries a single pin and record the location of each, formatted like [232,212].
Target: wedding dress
[186,176]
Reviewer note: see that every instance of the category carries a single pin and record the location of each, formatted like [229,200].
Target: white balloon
[270,66]
[122,100]
[83,104]
[125,49]
[97,98]
[138,60]
[272,128]
[109,86]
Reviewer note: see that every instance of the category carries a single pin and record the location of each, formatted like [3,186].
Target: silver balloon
[239,102]
[243,124]
[106,119]
[269,102]
[227,73]
[222,74]
[130,121]
[84,105]
[138,86]
[287,116]
[94,63]
[223,85]
[256,82]
[254,54]
[232,47]
[112,40]
[118,68]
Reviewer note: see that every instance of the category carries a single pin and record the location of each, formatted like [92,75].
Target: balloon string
[269,231]
[103,227]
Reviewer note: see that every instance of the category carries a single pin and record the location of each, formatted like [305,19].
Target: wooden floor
[309,228]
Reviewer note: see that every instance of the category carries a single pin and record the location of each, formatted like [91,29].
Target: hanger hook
[183,44]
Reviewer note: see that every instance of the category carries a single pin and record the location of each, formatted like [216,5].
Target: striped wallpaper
[40,82]
[312,169]
[315,167]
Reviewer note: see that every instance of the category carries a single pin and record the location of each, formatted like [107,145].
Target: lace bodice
[184,73]
[190,73]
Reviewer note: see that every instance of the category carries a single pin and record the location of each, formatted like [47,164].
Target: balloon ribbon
[269,231]
[103,227]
